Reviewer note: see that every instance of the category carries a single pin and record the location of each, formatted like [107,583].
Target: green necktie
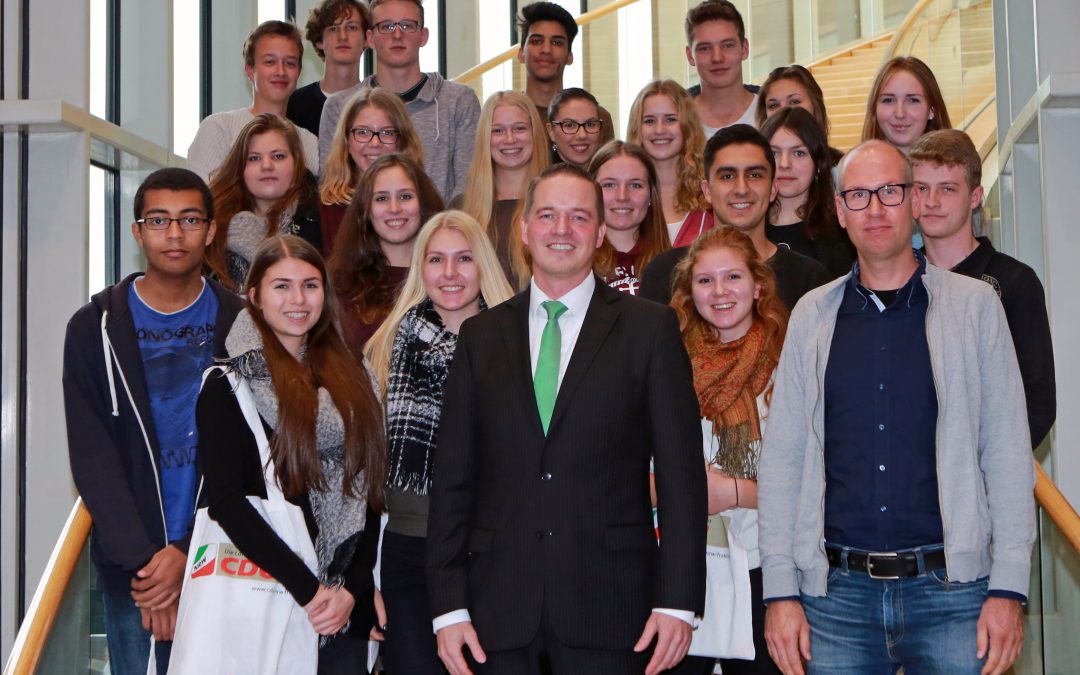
[546,379]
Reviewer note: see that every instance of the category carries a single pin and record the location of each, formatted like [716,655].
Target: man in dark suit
[540,539]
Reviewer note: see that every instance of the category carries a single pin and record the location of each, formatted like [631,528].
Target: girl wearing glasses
[733,324]
[454,275]
[262,188]
[375,245]
[635,229]
[664,121]
[574,126]
[327,444]
[372,124]
[511,150]
[803,217]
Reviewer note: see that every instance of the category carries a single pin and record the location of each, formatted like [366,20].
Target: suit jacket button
[539,535]
[545,476]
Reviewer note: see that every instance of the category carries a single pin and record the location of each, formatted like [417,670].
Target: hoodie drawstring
[106,350]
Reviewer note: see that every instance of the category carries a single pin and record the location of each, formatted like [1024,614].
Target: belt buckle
[870,565]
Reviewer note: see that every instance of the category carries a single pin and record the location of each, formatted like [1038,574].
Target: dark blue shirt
[881,490]
[176,348]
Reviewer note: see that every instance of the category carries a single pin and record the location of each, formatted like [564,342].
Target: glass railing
[956,39]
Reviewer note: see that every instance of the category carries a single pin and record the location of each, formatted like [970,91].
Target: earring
[931,115]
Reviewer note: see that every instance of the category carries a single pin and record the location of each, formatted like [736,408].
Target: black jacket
[112,442]
[1022,296]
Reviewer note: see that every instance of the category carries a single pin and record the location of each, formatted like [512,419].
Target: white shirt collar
[577,300]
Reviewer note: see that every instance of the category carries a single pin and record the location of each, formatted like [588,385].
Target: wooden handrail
[1057,507]
[40,615]
[495,61]
[902,29]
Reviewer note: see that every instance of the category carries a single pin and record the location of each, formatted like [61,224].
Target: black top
[881,408]
[110,461]
[835,253]
[1022,297]
[305,107]
[795,275]
[229,459]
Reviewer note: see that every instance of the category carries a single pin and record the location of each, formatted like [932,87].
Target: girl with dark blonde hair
[633,218]
[373,123]
[664,121]
[733,324]
[904,103]
[262,188]
[326,444]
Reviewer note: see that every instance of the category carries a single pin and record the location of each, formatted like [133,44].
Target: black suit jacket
[521,524]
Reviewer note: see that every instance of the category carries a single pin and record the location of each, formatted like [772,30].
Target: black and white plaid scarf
[419,363]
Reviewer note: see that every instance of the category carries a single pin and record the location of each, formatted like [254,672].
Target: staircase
[845,79]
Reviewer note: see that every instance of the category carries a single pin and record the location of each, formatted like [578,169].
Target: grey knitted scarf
[246,231]
[340,519]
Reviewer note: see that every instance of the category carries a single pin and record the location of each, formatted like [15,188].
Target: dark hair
[769,310]
[819,211]
[358,265]
[714,10]
[737,134]
[653,235]
[329,12]
[174,179]
[567,95]
[231,195]
[547,11]
[562,170]
[328,364]
[803,77]
[281,28]
[419,5]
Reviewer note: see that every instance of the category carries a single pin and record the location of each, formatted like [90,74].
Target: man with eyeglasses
[133,363]
[895,484]
[336,29]
[444,113]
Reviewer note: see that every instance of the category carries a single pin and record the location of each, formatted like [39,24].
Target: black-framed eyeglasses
[570,127]
[857,199]
[405,26]
[386,135]
[163,222]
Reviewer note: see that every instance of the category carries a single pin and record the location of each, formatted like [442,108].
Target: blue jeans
[927,624]
[129,644]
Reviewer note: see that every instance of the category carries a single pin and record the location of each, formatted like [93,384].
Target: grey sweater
[445,115]
[984,464]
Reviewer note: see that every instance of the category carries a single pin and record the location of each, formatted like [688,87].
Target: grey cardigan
[984,464]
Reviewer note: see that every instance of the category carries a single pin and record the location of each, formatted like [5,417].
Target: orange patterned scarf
[728,378]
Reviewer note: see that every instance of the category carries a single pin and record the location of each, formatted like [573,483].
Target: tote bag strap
[251,415]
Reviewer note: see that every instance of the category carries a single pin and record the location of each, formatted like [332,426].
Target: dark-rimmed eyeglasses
[163,222]
[857,199]
[405,26]
[386,135]
[570,127]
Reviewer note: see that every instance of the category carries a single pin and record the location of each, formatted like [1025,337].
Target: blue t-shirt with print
[176,348]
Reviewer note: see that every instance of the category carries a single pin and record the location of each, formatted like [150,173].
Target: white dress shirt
[577,305]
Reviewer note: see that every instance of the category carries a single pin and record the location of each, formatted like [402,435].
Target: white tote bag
[233,617]
[726,629]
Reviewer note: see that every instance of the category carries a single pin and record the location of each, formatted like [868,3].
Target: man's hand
[377,633]
[160,622]
[672,641]
[1000,634]
[451,638]
[787,633]
[157,585]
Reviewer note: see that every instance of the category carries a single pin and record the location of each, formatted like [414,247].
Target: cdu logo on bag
[205,558]
[235,564]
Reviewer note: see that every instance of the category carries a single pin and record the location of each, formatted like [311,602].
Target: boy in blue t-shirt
[133,362]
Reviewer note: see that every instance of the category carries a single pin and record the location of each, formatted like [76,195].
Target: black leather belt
[887,565]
